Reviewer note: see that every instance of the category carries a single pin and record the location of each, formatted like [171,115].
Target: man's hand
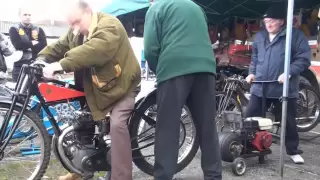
[281,78]
[50,69]
[250,78]
[34,42]
[40,62]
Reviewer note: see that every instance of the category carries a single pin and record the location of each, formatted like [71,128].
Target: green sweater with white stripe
[176,39]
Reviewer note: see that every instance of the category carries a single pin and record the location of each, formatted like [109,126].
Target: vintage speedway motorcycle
[83,145]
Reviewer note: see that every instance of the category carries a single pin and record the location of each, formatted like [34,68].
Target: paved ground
[310,143]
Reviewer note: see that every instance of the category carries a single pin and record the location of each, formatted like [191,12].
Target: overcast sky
[43,9]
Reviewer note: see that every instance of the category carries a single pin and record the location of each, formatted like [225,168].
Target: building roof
[53,31]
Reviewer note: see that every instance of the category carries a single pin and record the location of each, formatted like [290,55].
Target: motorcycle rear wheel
[139,160]
[303,109]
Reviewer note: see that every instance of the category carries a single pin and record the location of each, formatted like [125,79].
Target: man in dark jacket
[28,38]
[267,63]
[6,49]
[178,49]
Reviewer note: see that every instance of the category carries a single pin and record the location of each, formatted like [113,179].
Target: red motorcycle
[83,146]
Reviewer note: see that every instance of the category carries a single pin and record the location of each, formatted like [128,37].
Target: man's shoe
[297,159]
[70,176]
[299,151]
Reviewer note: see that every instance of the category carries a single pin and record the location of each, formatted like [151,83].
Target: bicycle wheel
[19,156]
[308,108]
[143,138]
[225,102]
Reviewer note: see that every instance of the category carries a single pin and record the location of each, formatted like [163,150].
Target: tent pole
[286,84]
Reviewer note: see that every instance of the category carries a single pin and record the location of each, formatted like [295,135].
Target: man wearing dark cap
[267,64]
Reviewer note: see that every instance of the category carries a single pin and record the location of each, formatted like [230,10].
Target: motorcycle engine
[262,140]
[67,112]
[88,151]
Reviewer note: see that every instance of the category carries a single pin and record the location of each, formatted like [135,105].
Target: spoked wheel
[308,108]
[239,166]
[28,153]
[143,136]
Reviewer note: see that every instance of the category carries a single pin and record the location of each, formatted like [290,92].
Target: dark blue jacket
[267,62]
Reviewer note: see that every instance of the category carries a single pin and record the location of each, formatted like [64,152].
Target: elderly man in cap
[267,63]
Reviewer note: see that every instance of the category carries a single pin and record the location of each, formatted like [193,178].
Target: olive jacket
[110,68]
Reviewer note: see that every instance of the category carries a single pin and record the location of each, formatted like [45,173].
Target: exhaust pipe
[61,152]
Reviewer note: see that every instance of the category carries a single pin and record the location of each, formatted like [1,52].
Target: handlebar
[265,82]
[240,80]
[31,75]
[38,66]
[36,70]
[236,78]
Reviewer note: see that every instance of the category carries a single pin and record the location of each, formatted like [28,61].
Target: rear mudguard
[140,99]
[143,97]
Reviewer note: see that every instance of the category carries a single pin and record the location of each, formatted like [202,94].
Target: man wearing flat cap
[267,64]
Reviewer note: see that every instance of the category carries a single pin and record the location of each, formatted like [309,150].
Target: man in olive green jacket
[97,47]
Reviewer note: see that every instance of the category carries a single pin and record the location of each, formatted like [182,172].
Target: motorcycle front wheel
[143,136]
[27,154]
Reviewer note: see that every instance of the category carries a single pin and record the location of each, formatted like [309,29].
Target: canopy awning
[120,7]
[218,10]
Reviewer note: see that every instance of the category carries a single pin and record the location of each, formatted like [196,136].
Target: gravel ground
[310,143]
[309,171]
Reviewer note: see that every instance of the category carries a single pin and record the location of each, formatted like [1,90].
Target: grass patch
[15,170]
[55,170]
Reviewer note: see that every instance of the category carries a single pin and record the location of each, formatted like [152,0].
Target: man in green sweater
[177,48]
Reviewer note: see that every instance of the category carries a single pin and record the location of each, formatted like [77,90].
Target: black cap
[276,11]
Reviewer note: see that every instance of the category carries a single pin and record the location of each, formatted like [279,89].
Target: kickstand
[107,176]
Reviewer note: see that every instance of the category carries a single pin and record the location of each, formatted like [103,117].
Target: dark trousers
[15,73]
[292,137]
[198,92]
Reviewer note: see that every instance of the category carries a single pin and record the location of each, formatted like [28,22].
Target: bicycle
[83,146]
[235,97]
